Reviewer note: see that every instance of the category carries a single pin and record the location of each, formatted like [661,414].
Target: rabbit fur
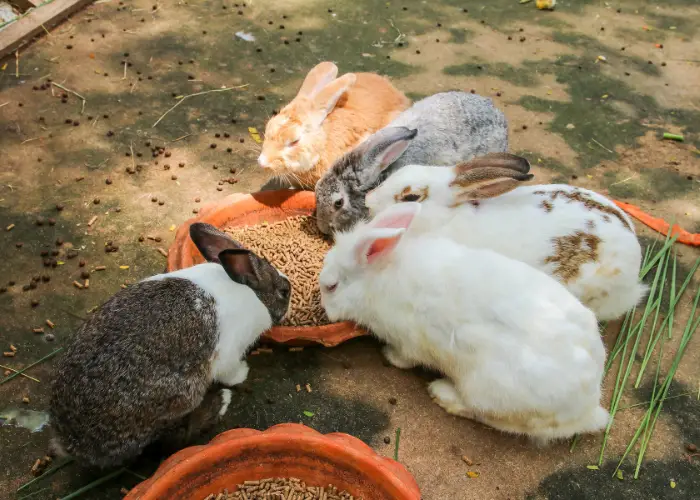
[443,129]
[139,368]
[328,117]
[517,350]
[575,235]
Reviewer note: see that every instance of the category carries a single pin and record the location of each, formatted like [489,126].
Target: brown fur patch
[547,206]
[409,194]
[590,224]
[591,204]
[570,252]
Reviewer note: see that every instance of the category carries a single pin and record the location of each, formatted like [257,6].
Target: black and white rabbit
[141,368]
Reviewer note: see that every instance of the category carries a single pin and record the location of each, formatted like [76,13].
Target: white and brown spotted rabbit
[573,234]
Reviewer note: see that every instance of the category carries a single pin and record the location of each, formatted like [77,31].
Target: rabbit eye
[411,197]
[338,204]
[293,143]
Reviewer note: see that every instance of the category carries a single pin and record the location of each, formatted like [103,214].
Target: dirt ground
[588,90]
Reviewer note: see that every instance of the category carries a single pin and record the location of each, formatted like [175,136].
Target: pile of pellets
[282,489]
[296,247]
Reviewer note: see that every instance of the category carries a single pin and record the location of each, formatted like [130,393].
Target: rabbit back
[576,236]
[133,369]
[452,127]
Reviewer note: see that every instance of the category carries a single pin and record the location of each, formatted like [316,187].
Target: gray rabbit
[443,129]
[141,368]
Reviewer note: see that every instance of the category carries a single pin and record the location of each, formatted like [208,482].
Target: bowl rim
[181,255]
[196,460]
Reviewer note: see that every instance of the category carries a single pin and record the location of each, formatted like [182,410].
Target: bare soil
[582,109]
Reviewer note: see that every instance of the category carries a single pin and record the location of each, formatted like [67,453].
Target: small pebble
[50,337]
[96,201]
[691,447]
[392,401]
[35,302]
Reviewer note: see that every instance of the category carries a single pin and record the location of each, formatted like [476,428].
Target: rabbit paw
[445,394]
[235,376]
[225,401]
[393,356]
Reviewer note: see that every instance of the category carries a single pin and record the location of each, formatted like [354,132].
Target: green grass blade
[46,474]
[674,297]
[94,484]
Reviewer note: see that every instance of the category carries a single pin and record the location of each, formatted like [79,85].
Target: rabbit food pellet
[282,489]
[296,247]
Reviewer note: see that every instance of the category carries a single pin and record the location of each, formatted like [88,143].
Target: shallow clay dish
[285,450]
[244,210]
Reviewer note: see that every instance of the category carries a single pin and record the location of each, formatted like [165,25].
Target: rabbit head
[340,194]
[294,138]
[244,267]
[364,250]
[485,177]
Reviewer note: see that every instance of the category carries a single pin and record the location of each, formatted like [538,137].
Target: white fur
[225,401]
[519,351]
[516,225]
[242,318]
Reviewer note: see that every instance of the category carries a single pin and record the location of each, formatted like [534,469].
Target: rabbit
[577,236]
[139,368]
[517,350]
[328,117]
[443,129]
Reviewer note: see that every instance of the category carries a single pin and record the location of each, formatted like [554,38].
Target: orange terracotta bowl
[285,450]
[244,210]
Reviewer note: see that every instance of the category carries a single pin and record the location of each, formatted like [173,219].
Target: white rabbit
[573,234]
[518,351]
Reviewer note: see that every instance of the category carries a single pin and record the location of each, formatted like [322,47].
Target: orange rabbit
[326,119]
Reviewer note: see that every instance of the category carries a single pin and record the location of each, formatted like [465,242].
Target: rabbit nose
[263,161]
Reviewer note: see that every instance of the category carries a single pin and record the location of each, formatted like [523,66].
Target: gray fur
[139,369]
[451,127]
[133,371]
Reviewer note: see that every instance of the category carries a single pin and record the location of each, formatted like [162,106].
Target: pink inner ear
[394,151]
[382,246]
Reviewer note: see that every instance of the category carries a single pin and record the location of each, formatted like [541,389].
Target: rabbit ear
[381,150]
[489,176]
[320,75]
[398,216]
[377,243]
[326,99]
[240,265]
[211,242]
[385,232]
[499,160]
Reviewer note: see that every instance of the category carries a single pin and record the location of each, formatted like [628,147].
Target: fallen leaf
[308,413]
[619,475]
[673,484]
[4,66]
[172,228]
[123,267]
[92,56]
[592,467]
[60,262]
[472,474]
[254,134]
